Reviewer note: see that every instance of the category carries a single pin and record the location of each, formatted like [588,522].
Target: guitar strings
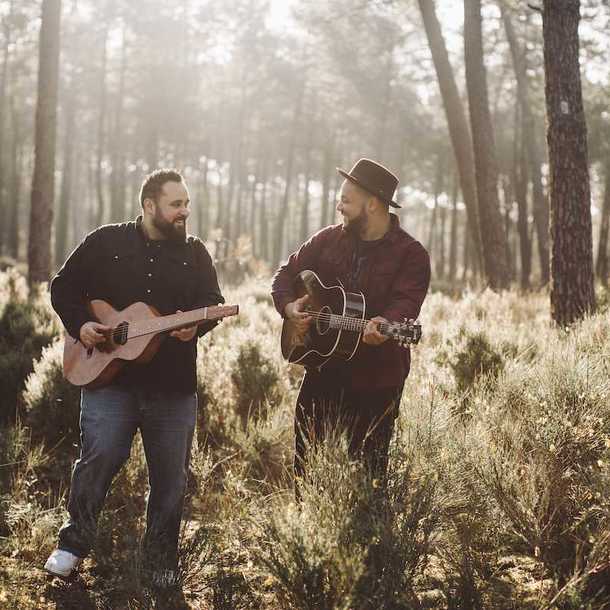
[123,329]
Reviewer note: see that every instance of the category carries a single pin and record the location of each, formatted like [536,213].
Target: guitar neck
[339,322]
[179,320]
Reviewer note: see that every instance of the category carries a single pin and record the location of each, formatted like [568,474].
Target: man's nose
[339,206]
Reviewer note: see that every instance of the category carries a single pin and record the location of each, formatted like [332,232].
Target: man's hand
[184,334]
[92,334]
[371,334]
[294,312]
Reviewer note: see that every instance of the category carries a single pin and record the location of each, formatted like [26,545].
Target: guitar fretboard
[177,320]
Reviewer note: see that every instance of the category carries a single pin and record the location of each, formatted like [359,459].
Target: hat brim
[366,188]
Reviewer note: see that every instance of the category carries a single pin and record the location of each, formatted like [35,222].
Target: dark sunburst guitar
[135,336]
[339,319]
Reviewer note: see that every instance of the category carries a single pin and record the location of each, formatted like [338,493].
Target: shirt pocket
[181,280]
[382,276]
[116,279]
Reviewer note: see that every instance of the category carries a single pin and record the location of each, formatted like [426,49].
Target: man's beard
[356,226]
[169,230]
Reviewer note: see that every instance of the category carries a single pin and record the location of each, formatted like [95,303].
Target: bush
[350,543]
[255,379]
[476,358]
[52,403]
[26,326]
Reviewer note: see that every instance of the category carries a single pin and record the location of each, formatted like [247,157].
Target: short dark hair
[153,183]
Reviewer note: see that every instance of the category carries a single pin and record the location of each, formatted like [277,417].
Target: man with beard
[151,259]
[370,253]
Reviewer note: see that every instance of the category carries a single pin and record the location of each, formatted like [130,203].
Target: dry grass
[499,493]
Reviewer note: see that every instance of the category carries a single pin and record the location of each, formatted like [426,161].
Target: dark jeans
[324,406]
[109,419]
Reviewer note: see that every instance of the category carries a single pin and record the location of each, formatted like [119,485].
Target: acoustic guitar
[339,319]
[135,336]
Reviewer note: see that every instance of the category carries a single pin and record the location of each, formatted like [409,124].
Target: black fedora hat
[373,178]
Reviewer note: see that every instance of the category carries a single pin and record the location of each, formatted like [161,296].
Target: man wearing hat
[367,252]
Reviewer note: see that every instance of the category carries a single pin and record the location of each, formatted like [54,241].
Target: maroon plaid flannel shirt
[394,280]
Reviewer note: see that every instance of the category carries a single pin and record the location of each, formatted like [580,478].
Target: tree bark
[520,181]
[572,291]
[65,192]
[101,123]
[459,132]
[4,204]
[43,182]
[493,236]
[15,183]
[604,229]
[540,202]
[453,239]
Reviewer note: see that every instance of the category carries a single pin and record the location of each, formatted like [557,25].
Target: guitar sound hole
[323,320]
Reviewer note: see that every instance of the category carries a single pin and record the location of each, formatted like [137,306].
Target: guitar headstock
[405,333]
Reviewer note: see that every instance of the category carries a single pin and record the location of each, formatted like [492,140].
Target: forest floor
[497,497]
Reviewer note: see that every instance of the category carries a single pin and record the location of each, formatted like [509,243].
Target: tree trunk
[572,292]
[65,193]
[454,223]
[486,171]
[283,211]
[43,181]
[15,183]
[459,131]
[118,178]
[4,201]
[540,207]
[604,229]
[101,123]
[520,181]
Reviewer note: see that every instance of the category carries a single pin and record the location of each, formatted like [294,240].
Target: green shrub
[27,325]
[351,542]
[52,403]
[476,358]
[255,379]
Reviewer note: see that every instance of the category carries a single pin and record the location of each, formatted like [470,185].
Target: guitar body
[322,342]
[94,368]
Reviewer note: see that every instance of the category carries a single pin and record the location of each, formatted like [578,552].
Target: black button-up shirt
[120,265]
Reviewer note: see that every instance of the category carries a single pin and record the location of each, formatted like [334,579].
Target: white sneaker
[164,579]
[61,563]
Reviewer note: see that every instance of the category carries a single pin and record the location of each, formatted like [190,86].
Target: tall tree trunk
[604,229]
[572,292]
[15,182]
[118,178]
[540,202]
[43,181]
[263,222]
[459,131]
[65,192]
[203,203]
[453,238]
[4,201]
[520,181]
[283,211]
[486,169]
[101,123]
[327,169]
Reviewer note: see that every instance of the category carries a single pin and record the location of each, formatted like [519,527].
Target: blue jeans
[109,419]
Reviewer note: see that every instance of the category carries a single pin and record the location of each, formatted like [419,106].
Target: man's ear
[148,205]
[374,205]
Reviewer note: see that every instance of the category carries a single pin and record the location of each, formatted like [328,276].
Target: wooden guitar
[135,336]
[339,319]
